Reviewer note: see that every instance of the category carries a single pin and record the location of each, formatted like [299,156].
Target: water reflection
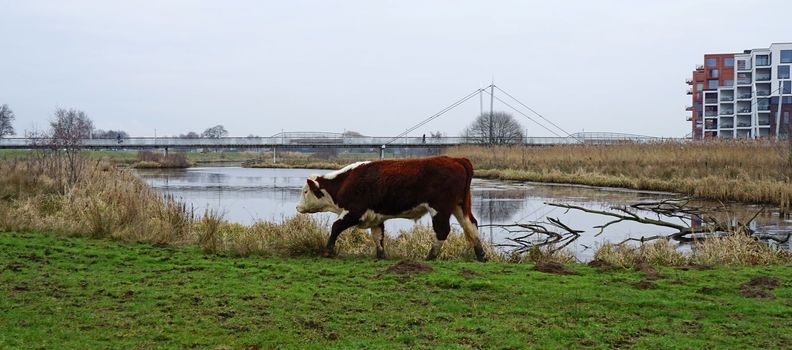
[248,195]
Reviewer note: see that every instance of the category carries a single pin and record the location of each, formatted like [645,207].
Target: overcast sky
[371,66]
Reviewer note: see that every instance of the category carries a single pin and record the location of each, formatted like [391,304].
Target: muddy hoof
[329,253]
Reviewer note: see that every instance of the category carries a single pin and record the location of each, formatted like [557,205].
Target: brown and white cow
[365,194]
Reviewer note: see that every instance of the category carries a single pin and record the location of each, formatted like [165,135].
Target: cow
[365,194]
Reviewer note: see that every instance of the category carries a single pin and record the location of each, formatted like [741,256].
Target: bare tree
[190,135]
[110,134]
[67,131]
[6,117]
[350,133]
[499,129]
[215,132]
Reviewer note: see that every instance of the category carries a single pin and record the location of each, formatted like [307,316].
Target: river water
[246,195]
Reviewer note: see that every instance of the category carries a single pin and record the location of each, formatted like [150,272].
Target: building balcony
[726,112]
[689,118]
[762,77]
[689,108]
[725,98]
[743,81]
[744,96]
[727,126]
[711,101]
[689,81]
[690,92]
[711,113]
[744,111]
[762,92]
[763,107]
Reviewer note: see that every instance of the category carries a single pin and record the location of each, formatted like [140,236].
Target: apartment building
[742,95]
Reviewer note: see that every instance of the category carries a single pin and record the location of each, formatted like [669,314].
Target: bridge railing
[252,142]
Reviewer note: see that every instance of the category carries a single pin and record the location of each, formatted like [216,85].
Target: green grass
[80,293]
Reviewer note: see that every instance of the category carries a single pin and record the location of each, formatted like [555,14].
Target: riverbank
[133,158]
[58,292]
[749,172]
[112,203]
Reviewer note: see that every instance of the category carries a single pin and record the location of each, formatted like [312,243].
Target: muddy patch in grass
[645,284]
[468,274]
[760,287]
[554,268]
[649,271]
[697,267]
[600,264]
[405,267]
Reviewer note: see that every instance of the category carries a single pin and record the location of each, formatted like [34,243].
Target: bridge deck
[291,142]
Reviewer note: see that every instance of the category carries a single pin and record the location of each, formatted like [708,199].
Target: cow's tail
[466,201]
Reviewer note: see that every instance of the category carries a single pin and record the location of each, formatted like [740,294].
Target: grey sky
[375,67]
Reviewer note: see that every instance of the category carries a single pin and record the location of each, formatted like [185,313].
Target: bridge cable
[435,116]
[524,115]
[533,111]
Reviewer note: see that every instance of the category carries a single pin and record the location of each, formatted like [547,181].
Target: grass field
[79,293]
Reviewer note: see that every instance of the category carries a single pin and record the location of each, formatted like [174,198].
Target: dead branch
[621,214]
[525,241]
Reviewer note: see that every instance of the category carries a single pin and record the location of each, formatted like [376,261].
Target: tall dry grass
[732,249]
[148,159]
[103,202]
[746,171]
[109,202]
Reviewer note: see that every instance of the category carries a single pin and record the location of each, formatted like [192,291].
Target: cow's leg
[470,227]
[442,227]
[378,235]
[339,226]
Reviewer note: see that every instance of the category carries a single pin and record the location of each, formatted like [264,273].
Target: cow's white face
[314,199]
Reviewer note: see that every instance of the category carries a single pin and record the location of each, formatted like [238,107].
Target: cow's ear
[314,186]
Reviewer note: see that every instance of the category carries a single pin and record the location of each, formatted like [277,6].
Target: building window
[762,60]
[714,73]
[787,87]
[712,84]
[783,72]
[699,86]
[728,83]
[786,56]
[712,62]
[728,62]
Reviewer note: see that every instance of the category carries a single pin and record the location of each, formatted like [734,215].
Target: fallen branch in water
[524,243]
[670,208]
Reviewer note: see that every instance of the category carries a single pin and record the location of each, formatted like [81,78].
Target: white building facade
[756,101]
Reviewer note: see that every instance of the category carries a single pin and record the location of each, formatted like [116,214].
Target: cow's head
[314,199]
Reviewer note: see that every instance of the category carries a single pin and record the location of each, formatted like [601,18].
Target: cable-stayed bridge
[319,140]
[306,140]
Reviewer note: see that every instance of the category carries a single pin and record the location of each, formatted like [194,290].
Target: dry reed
[732,249]
[745,171]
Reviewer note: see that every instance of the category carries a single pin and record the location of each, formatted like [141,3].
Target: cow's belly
[373,219]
